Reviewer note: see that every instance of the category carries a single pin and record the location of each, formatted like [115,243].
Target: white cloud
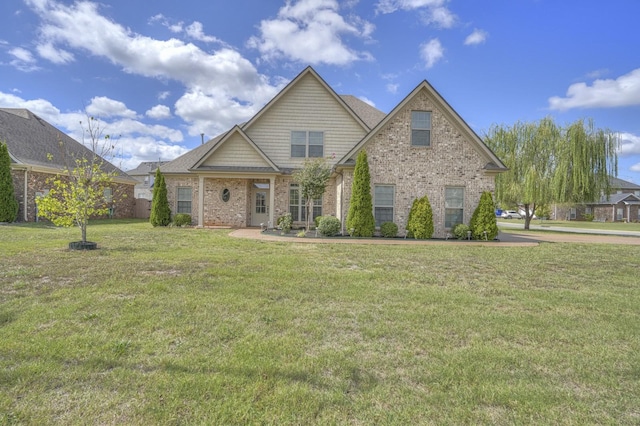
[195,30]
[24,60]
[134,140]
[623,91]
[311,31]
[476,37]
[159,112]
[431,52]
[367,101]
[635,167]
[101,106]
[390,6]
[392,88]
[223,74]
[163,95]
[629,144]
[440,17]
[57,56]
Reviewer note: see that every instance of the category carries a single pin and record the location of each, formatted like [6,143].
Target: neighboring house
[144,174]
[622,205]
[36,155]
[422,147]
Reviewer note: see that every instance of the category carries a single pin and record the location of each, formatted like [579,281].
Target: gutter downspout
[25,206]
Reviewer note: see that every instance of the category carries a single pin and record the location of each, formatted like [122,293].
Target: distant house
[36,155]
[622,205]
[422,147]
[144,174]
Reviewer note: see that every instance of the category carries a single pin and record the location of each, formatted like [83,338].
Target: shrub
[329,226]
[588,217]
[460,231]
[317,220]
[420,223]
[160,210]
[182,219]
[285,222]
[389,230]
[484,219]
[360,217]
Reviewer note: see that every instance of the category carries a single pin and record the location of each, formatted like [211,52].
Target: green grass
[191,326]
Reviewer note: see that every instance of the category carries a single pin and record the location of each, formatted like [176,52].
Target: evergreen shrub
[389,230]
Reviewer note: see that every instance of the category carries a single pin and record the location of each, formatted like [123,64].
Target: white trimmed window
[183,197]
[453,206]
[307,144]
[108,195]
[297,205]
[420,128]
[383,201]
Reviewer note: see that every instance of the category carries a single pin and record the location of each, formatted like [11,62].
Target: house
[622,205]
[37,155]
[243,177]
[144,174]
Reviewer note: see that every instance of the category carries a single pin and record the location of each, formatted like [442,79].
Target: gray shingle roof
[189,159]
[145,168]
[33,141]
[370,115]
[617,183]
[616,198]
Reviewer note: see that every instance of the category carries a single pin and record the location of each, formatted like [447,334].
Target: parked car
[510,214]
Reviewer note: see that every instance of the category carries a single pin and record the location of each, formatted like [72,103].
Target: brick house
[243,177]
[622,205]
[36,155]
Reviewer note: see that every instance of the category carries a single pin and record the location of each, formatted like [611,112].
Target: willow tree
[551,164]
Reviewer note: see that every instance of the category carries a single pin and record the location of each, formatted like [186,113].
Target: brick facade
[37,183]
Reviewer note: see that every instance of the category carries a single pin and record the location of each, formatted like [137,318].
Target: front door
[260,207]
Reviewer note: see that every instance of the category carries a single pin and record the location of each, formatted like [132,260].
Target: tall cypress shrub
[160,211]
[360,217]
[484,219]
[8,202]
[420,223]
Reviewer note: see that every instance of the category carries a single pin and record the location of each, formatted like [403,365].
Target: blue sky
[160,73]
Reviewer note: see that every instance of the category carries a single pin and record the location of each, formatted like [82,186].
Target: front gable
[451,137]
[235,150]
[306,104]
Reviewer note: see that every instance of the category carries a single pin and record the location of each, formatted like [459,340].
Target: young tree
[484,219]
[420,222]
[312,180]
[360,217]
[550,164]
[8,202]
[79,193]
[160,210]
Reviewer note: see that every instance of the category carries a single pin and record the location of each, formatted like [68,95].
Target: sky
[158,74]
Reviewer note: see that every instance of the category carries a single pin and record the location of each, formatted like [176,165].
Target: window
[184,199]
[108,195]
[297,205]
[307,144]
[619,213]
[420,128]
[572,213]
[383,200]
[226,195]
[453,206]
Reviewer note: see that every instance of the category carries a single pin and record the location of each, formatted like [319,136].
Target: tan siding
[236,151]
[307,106]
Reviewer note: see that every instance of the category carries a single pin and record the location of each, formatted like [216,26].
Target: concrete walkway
[520,224]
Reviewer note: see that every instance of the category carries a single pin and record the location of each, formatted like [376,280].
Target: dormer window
[307,144]
[420,128]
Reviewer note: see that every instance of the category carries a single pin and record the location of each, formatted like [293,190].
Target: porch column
[272,199]
[200,201]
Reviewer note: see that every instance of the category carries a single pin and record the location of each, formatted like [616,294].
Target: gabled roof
[370,115]
[617,183]
[145,168]
[34,142]
[305,72]
[493,164]
[619,198]
[225,140]
[187,160]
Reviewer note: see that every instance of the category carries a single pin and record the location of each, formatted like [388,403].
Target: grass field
[191,326]
[607,226]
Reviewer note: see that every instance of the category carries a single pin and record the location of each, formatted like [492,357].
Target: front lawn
[191,326]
